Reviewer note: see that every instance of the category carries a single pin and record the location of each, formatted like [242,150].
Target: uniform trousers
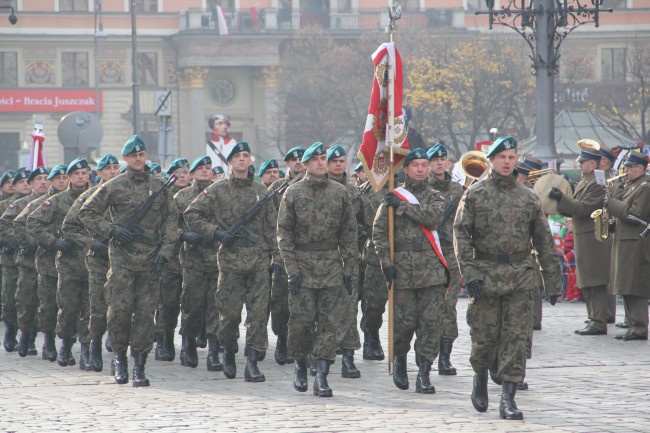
[373,298]
[347,332]
[74,306]
[47,306]
[636,311]
[9,283]
[27,298]
[419,311]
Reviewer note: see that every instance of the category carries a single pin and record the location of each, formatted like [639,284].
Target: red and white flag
[221,20]
[37,156]
[374,153]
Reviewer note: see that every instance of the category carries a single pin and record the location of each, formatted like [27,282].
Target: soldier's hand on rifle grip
[222,237]
[389,273]
[64,245]
[122,235]
[474,289]
[294,282]
[553,299]
[347,283]
[159,262]
[191,238]
[555,194]
[99,248]
[392,200]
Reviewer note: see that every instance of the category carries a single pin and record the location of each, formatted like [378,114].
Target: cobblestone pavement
[577,384]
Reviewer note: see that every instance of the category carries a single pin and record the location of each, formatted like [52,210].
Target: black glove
[64,245]
[392,199]
[347,283]
[553,299]
[555,194]
[223,237]
[159,262]
[191,238]
[389,273]
[474,289]
[276,269]
[99,248]
[294,280]
[122,235]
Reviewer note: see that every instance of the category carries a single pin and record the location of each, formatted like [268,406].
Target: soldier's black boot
[213,355]
[32,343]
[367,349]
[348,369]
[281,349]
[444,364]
[321,388]
[49,347]
[400,377]
[189,357]
[121,367]
[523,386]
[202,339]
[96,361]
[139,359]
[494,372]
[480,392]
[377,351]
[508,408]
[229,365]
[168,349]
[10,337]
[84,357]
[158,352]
[252,372]
[65,352]
[300,375]
[423,382]
[23,344]
[107,344]
[312,364]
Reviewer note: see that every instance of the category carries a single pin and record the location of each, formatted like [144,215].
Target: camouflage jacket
[115,201]
[363,211]
[26,254]
[369,255]
[202,256]
[416,262]
[452,192]
[317,232]
[499,217]
[9,209]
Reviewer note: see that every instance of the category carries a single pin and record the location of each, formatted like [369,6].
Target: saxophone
[601,217]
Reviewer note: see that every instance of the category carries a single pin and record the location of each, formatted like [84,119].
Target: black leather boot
[252,372]
[348,369]
[480,392]
[96,361]
[49,347]
[158,352]
[281,349]
[367,348]
[10,337]
[312,364]
[121,367]
[229,365]
[65,352]
[202,339]
[168,349]
[107,344]
[32,343]
[508,408]
[213,355]
[321,388]
[494,372]
[23,344]
[423,382]
[189,357]
[400,377]
[444,364]
[300,376]
[84,357]
[377,351]
[139,359]
[523,386]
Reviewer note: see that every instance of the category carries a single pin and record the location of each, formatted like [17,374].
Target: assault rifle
[133,223]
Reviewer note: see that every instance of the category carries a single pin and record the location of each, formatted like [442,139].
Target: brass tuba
[601,217]
[474,164]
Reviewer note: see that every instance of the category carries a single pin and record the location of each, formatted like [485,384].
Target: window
[11,3]
[613,64]
[148,69]
[74,69]
[614,4]
[146,5]
[73,5]
[8,69]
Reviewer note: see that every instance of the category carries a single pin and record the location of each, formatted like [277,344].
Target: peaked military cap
[7,176]
[533,163]
[269,163]
[335,151]
[37,172]
[21,174]
[358,167]
[607,153]
[436,151]
[242,146]
[107,159]
[294,152]
[77,164]
[57,170]
[636,158]
[418,153]
[589,154]
[133,145]
[155,168]
[522,168]
[282,174]
[203,160]
[501,144]
[315,149]
[218,170]
[176,164]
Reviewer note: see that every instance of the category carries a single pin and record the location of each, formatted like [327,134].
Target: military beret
[282,174]
[269,163]
[37,172]
[294,152]
[436,151]
[335,151]
[358,167]
[203,160]
[522,169]
[21,174]
[418,153]
[155,168]
[242,146]
[636,158]
[533,163]
[57,170]
[133,145]
[218,170]
[107,159]
[315,149]
[176,164]
[7,176]
[123,167]
[77,164]
[501,144]
[589,154]
[607,153]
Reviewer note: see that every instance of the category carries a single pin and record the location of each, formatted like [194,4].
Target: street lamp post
[134,60]
[544,24]
[98,33]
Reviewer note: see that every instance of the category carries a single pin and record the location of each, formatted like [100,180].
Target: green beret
[269,163]
[335,151]
[36,172]
[294,152]
[501,144]
[315,149]
[176,164]
[418,153]
[242,146]
[358,167]
[154,168]
[218,170]
[198,162]
[133,145]
[436,151]
[108,159]
[77,164]
[58,170]
[7,176]
[21,174]
[282,174]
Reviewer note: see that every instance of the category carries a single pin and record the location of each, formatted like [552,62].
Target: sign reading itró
[47,100]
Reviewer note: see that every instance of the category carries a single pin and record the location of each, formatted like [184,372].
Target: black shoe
[480,391]
[212,360]
[10,338]
[400,377]
[300,376]
[23,344]
[65,352]
[251,371]
[49,347]
[348,369]
[494,372]
[367,348]
[84,357]
[537,327]
[168,349]
[107,344]
[523,386]
[444,364]
[189,357]
[423,382]
[312,364]
[508,408]
[96,361]
[121,367]
[621,336]
[281,349]
[634,336]
[158,351]
[112,369]
[229,365]
[590,330]
[32,344]
[202,339]
[623,325]
[139,359]
[377,350]
[321,388]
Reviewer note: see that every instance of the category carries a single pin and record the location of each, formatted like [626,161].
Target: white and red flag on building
[37,156]
[221,21]
[374,153]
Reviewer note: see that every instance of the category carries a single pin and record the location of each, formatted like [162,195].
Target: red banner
[47,100]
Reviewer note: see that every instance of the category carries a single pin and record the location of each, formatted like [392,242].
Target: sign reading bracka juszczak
[48,100]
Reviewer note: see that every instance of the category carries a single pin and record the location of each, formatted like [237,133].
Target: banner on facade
[47,100]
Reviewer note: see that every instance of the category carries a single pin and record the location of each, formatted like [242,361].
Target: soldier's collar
[503,181]
[137,175]
[414,185]
[312,181]
[201,185]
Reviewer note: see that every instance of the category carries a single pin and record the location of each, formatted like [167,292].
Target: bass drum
[544,184]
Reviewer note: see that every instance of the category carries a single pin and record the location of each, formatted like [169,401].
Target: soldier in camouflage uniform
[243,262]
[217,174]
[317,237]
[418,270]
[136,253]
[6,194]
[269,172]
[499,272]
[347,331]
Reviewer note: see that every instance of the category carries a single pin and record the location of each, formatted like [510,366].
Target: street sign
[163,103]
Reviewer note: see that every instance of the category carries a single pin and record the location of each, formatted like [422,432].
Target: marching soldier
[137,253]
[243,260]
[6,187]
[317,237]
[498,272]
[217,174]
[269,172]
